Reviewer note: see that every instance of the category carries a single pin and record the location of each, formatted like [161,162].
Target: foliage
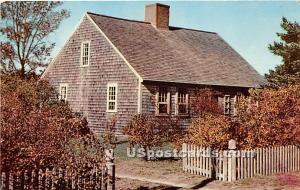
[108,137]
[269,117]
[289,49]
[205,100]
[26,26]
[38,131]
[210,130]
[150,131]
[210,127]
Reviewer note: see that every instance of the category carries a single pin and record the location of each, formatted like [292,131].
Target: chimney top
[158,4]
[158,15]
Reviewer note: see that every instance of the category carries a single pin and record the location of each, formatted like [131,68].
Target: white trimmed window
[230,102]
[181,101]
[227,106]
[163,101]
[112,96]
[85,54]
[63,92]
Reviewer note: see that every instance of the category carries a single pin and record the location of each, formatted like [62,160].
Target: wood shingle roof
[178,55]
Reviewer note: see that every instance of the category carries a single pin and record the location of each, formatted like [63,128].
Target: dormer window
[85,54]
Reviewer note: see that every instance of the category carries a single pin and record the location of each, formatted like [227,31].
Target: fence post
[232,160]
[3,180]
[109,157]
[184,158]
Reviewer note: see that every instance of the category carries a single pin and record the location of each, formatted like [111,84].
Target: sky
[248,26]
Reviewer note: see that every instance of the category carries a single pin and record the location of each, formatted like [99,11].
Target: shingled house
[114,67]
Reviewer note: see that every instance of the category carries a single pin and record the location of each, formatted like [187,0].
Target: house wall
[149,98]
[87,86]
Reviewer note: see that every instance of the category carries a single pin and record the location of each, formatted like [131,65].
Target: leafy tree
[25,26]
[38,131]
[289,49]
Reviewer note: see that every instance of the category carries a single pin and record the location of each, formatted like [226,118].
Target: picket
[231,165]
[58,178]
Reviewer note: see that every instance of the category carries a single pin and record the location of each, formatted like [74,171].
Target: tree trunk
[22,71]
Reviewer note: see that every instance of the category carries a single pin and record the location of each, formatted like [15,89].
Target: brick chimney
[158,15]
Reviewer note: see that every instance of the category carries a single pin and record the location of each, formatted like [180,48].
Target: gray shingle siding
[87,92]
[149,98]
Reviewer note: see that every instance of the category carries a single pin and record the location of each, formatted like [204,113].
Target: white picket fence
[231,165]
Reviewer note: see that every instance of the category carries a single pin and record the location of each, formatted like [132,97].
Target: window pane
[111,105]
[163,94]
[163,108]
[182,108]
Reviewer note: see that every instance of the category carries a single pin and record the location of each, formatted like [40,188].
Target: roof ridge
[192,29]
[131,20]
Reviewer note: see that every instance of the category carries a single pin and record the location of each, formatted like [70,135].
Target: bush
[210,131]
[210,128]
[149,131]
[36,128]
[205,101]
[269,117]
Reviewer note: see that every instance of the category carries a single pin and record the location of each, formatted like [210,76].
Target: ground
[135,173]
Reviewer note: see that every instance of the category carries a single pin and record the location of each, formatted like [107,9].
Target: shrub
[205,101]
[37,129]
[149,131]
[269,117]
[210,131]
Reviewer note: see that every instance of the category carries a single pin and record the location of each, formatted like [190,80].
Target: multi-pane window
[112,97]
[163,101]
[85,53]
[230,103]
[227,105]
[182,101]
[63,92]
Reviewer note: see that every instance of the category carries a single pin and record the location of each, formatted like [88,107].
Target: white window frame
[227,105]
[116,97]
[60,94]
[177,103]
[167,101]
[82,51]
